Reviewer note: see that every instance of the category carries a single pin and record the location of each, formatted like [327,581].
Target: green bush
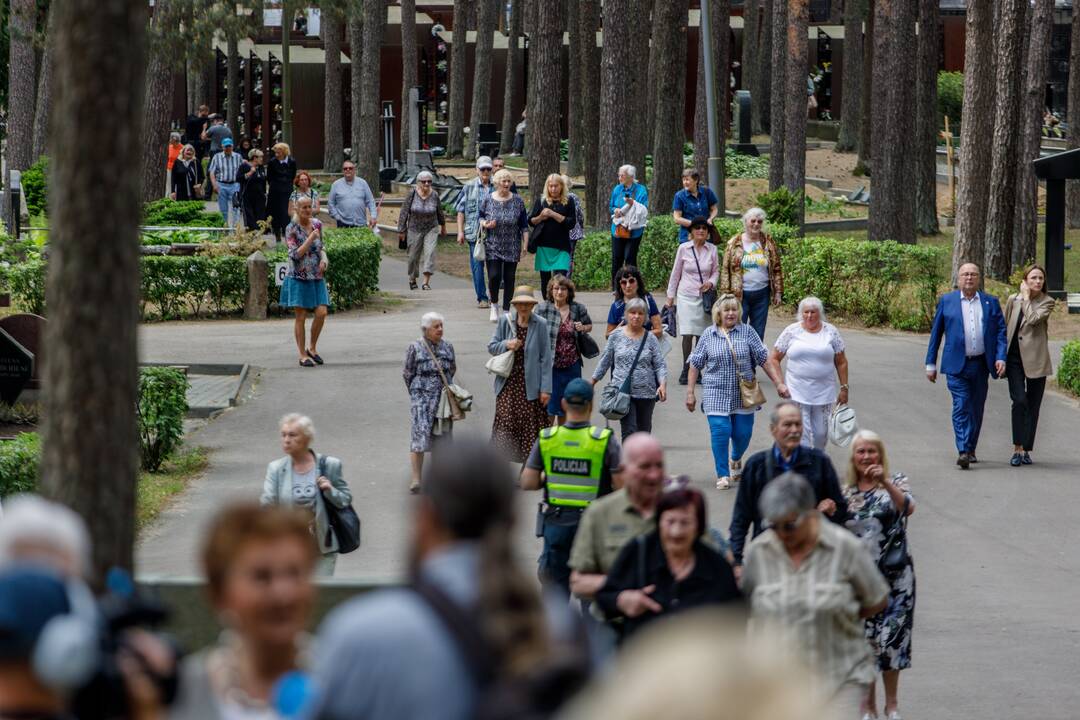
[167,211]
[1068,374]
[740,166]
[162,405]
[26,281]
[20,460]
[781,205]
[950,94]
[34,186]
[177,286]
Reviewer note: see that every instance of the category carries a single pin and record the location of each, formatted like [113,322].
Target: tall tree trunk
[796,108]
[1009,33]
[486,23]
[356,77]
[765,80]
[575,93]
[752,67]
[617,69]
[973,193]
[722,48]
[891,213]
[199,57]
[926,119]
[651,83]
[21,97]
[778,111]
[512,87]
[89,444]
[333,133]
[157,104]
[232,82]
[848,139]
[544,110]
[459,58]
[670,22]
[367,162]
[1026,229]
[721,22]
[589,68]
[866,96]
[43,105]
[1073,138]
[701,123]
[410,61]
[640,121]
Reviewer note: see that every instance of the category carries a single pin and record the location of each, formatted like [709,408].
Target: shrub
[26,281]
[781,205]
[35,186]
[167,211]
[740,166]
[1068,374]
[20,461]
[162,405]
[950,88]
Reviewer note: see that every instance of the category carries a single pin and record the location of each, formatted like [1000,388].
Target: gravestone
[1055,170]
[16,367]
[741,127]
[419,160]
[29,331]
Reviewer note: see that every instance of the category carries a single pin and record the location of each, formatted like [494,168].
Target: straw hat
[523,294]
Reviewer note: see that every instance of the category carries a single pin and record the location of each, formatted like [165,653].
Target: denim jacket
[469,201]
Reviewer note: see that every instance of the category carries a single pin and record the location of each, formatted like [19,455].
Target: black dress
[280,174]
[184,177]
[253,195]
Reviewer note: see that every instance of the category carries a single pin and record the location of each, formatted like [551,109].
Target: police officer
[575,463]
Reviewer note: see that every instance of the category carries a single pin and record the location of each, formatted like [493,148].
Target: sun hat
[699,221]
[842,425]
[523,294]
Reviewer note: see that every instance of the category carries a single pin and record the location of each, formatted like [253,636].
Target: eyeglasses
[425,182]
[791,525]
[485,169]
[628,281]
[348,169]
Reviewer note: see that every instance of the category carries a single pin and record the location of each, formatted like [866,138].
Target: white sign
[280,269]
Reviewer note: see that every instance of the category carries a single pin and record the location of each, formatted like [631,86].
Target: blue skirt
[560,378]
[303,293]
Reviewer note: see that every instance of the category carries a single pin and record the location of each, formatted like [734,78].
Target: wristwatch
[844,387]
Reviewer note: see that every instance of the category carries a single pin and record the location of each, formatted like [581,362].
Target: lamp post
[716,158]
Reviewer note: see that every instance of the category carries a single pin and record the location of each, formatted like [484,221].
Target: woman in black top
[670,569]
[184,176]
[280,172]
[552,218]
[252,175]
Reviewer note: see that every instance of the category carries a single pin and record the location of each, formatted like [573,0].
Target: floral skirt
[889,632]
[518,421]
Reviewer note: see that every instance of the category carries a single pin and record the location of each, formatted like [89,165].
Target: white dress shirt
[973,329]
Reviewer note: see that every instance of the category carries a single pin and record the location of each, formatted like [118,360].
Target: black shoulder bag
[344,522]
[894,554]
[708,297]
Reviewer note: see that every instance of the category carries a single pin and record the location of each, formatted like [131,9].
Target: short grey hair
[810,301]
[629,170]
[754,212]
[424,175]
[637,304]
[789,493]
[774,416]
[429,319]
[33,520]
[174,136]
[303,424]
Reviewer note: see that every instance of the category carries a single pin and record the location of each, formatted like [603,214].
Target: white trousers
[815,424]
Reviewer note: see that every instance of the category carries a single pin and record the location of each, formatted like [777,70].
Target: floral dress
[511,219]
[425,389]
[518,420]
[871,515]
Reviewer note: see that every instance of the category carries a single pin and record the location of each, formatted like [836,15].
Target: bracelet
[844,387]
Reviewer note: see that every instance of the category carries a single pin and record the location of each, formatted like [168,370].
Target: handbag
[894,554]
[503,363]
[586,346]
[402,243]
[615,399]
[479,252]
[622,232]
[669,318]
[708,298]
[458,399]
[842,425]
[750,392]
[343,522]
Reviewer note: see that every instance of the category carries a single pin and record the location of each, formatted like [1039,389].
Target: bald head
[643,469]
[967,278]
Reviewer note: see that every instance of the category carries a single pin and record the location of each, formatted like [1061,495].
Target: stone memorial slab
[16,367]
[29,331]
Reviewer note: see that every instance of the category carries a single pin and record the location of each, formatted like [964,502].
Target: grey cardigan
[538,355]
[277,490]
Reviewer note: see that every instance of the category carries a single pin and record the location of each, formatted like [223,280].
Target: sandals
[307,362]
[736,470]
[412,284]
[314,356]
[723,483]
[425,286]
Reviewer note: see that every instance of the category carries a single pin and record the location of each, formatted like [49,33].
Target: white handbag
[501,364]
[842,425]
[479,253]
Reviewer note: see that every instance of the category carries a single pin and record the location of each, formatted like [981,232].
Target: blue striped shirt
[719,376]
[225,166]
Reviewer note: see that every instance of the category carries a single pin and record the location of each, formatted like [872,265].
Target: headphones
[68,650]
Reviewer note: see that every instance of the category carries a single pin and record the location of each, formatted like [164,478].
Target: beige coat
[1034,347]
[731,267]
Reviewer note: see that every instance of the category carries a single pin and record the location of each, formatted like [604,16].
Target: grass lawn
[156,490]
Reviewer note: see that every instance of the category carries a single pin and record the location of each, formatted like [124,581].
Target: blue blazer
[949,323]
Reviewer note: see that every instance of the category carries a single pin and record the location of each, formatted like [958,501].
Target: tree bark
[640,121]
[973,193]
[796,108]
[1026,229]
[575,95]
[669,39]
[356,76]
[848,139]
[752,67]
[766,33]
[617,69]
[21,96]
[486,22]
[232,82]
[778,114]
[410,61]
[546,52]
[512,87]
[43,104]
[90,445]
[589,68]
[459,57]
[1073,138]
[367,162]
[1009,33]
[157,105]
[892,215]
[926,119]
[333,133]
[866,97]
[701,120]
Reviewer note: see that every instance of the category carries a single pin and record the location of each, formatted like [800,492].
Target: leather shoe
[1026,459]
[963,461]
[972,458]
[1017,460]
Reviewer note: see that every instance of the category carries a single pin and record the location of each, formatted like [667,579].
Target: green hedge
[34,183]
[167,211]
[20,461]
[1068,374]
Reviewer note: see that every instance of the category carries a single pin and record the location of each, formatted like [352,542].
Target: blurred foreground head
[700,666]
[39,532]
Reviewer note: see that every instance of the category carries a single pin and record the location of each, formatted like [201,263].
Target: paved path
[997,629]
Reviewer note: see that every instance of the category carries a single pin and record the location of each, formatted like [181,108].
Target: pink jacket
[684,278]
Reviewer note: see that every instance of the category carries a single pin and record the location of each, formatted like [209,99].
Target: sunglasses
[791,525]
[628,281]
[425,182]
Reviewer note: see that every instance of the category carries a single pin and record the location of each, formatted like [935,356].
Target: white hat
[483,162]
[842,425]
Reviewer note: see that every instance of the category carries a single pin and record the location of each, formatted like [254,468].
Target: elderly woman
[629,285]
[877,505]
[280,172]
[649,379]
[695,272]
[503,217]
[252,176]
[691,202]
[427,362]
[683,571]
[258,564]
[565,319]
[552,218]
[815,358]
[729,351]
[307,480]
[304,287]
[304,188]
[625,240]
[521,399]
[174,148]
[420,223]
[40,532]
[1027,362]
[751,270]
[813,583]
[184,176]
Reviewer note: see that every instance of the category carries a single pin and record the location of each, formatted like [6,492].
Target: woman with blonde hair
[280,172]
[750,270]
[1027,362]
[552,218]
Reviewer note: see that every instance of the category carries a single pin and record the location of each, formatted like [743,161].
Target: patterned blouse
[719,376]
[511,220]
[419,215]
[872,513]
[619,355]
[304,267]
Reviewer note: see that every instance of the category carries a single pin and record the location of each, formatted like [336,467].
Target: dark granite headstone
[741,128]
[29,331]
[16,367]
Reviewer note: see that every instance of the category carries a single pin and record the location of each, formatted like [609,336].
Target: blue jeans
[560,527]
[732,431]
[477,268]
[226,191]
[755,310]
[968,390]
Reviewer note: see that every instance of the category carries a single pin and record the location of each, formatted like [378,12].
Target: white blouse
[811,369]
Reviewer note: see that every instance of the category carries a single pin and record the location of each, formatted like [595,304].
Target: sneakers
[964,460]
[494,315]
[723,483]
[1026,460]
[1016,460]
[483,304]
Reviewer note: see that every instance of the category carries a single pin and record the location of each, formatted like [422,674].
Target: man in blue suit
[974,330]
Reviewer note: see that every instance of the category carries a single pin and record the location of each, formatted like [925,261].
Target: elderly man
[974,331]
[785,455]
[626,237]
[37,531]
[224,172]
[351,203]
[470,198]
